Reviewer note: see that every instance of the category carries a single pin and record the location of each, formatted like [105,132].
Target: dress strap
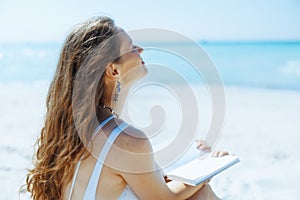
[74,177]
[100,126]
[79,162]
[90,192]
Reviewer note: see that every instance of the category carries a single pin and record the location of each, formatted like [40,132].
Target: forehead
[125,38]
[125,41]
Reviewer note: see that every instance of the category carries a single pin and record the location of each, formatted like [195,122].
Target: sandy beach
[262,127]
[252,48]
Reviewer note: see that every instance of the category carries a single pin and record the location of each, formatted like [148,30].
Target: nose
[139,49]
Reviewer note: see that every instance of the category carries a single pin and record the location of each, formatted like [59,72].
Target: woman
[96,68]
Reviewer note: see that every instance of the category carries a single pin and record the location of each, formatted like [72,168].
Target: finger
[215,154]
[220,153]
[201,144]
[223,153]
[204,148]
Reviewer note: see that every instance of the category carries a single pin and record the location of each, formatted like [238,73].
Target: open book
[197,170]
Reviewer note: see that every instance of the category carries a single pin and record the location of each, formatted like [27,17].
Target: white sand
[262,127]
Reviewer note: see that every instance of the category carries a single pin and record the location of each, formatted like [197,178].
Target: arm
[140,172]
[183,191]
[152,186]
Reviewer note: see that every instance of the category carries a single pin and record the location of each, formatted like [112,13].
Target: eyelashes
[135,49]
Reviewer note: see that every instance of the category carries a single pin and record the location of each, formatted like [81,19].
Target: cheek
[131,61]
[133,69]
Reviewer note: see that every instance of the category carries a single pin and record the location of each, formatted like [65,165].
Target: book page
[198,168]
[191,154]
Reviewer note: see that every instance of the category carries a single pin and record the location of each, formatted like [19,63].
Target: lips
[143,62]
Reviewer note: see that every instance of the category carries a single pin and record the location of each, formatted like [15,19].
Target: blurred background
[255,46]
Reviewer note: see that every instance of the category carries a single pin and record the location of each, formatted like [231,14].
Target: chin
[141,72]
[145,71]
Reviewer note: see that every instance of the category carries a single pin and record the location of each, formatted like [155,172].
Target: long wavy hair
[60,146]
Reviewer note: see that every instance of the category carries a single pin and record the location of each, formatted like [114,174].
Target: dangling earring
[117,92]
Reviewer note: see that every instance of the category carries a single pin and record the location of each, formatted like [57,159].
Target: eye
[135,49]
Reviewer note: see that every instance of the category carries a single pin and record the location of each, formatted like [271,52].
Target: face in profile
[132,66]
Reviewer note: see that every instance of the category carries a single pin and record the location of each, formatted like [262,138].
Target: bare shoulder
[131,152]
[134,140]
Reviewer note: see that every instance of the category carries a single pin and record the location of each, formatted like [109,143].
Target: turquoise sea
[261,64]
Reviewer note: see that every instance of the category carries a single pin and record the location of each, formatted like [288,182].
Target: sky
[209,20]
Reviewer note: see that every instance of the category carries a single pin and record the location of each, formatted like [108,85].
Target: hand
[219,153]
[203,146]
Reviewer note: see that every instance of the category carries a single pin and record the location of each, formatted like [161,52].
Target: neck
[116,98]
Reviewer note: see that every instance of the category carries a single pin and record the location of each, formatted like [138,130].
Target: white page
[191,154]
[203,167]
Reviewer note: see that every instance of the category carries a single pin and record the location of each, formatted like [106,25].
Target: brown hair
[59,146]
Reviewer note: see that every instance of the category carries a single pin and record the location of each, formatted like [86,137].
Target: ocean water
[273,65]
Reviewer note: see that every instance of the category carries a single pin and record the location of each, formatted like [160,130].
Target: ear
[112,71]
